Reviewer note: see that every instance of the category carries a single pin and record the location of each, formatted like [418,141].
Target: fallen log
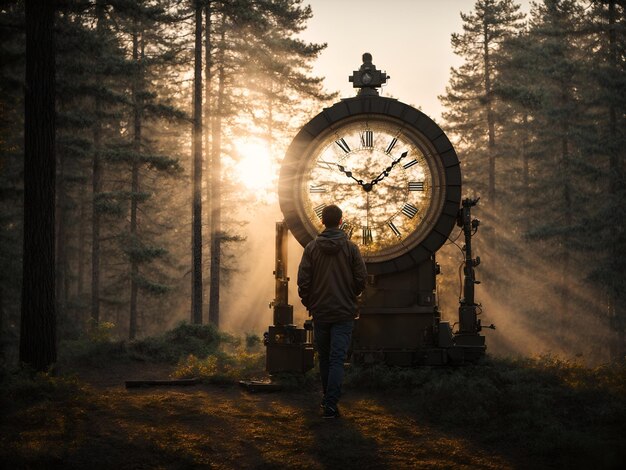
[162,383]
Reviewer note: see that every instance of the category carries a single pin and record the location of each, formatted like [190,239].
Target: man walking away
[330,277]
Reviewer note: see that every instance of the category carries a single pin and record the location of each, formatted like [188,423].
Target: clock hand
[349,174]
[386,171]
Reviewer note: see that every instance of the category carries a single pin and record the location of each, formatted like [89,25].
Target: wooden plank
[162,383]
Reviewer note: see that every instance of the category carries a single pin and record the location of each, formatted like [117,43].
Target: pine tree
[474,113]
[145,23]
[196,243]
[605,26]
[256,59]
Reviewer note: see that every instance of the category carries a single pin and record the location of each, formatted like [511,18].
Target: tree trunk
[216,193]
[525,161]
[196,281]
[80,282]
[96,185]
[564,166]
[207,91]
[616,177]
[491,146]
[61,237]
[137,111]
[38,312]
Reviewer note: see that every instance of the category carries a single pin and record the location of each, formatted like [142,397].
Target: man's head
[331,216]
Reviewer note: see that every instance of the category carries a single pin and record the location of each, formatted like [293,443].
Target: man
[330,277]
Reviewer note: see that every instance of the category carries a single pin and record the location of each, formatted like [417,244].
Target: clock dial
[379,173]
[388,166]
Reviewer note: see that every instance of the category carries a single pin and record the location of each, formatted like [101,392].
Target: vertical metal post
[283,312]
[468,323]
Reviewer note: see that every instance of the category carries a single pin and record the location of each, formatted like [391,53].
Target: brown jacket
[331,276]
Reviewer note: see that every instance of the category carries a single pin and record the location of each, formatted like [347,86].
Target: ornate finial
[368,77]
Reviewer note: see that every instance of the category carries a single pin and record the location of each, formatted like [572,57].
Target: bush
[28,386]
[184,340]
[222,367]
[557,410]
[97,349]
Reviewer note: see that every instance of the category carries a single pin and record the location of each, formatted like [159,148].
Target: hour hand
[349,174]
[386,171]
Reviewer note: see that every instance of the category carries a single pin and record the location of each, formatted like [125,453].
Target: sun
[256,169]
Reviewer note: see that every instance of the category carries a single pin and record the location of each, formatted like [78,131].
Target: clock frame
[430,146]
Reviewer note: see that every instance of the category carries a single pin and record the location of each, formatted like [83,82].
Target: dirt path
[227,428]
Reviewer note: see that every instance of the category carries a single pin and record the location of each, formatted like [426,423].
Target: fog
[521,300]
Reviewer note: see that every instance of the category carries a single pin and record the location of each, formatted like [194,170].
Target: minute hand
[386,171]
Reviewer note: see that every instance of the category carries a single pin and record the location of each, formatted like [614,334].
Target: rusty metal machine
[289,348]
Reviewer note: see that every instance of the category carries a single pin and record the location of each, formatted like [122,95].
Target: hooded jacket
[330,277]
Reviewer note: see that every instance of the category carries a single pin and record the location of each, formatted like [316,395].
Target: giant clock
[390,168]
[397,178]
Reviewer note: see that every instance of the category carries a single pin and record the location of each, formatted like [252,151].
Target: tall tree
[96,183]
[216,183]
[38,320]
[473,112]
[558,121]
[196,282]
[605,25]
[146,23]
[260,76]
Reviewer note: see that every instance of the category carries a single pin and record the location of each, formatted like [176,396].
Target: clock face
[383,177]
[391,170]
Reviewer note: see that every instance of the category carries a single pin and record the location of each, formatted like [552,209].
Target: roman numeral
[394,229]
[326,165]
[347,228]
[409,210]
[409,164]
[367,139]
[391,145]
[318,210]
[367,236]
[317,189]
[416,186]
[343,145]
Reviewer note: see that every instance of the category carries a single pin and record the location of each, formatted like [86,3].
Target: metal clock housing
[389,167]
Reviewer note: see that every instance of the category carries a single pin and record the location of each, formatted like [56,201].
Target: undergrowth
[554,409]
[98,349]
[27,386]
[197,351]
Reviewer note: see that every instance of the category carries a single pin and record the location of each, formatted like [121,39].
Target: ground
[211,426]
[94,422]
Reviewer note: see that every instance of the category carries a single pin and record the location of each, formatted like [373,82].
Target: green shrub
[557,410]
[27,386]
[222,367]
[185,339]
[97,349]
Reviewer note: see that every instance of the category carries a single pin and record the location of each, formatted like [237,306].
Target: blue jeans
[332,341]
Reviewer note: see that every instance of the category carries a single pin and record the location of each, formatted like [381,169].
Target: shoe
[330,412]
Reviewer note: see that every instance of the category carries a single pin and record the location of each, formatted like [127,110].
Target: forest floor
[213,426]
[528,413]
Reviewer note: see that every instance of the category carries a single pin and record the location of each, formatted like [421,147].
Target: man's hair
[331,216]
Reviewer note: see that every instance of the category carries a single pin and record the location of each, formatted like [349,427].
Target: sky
[409,39]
